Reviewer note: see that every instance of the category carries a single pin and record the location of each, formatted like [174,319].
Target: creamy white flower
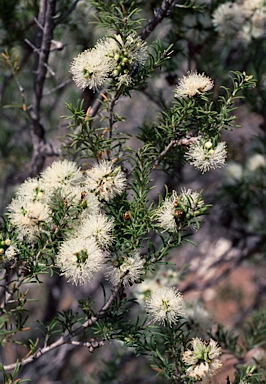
[254,26]
[29,217]
[256,161]
[163,277]
[131,52]
[60,174]
[258,358]
[205,158]
[193,84]
[135,48]
[124,79]
[228,19]
[167,276]
[31,190]
[258,23]
[203,359]
[80,196]
[258,20]
[143,290]
[98,227]
[177,209]
[245,33]
[79,259]
[11,252]
[92,67]
[257,33]
[233,172]
[126,268]
[250,6]
[105,180]
[111,57]
[165,305]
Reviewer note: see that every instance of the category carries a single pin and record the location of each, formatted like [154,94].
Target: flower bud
[208,144]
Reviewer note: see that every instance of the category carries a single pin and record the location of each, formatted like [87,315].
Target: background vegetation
[42,112]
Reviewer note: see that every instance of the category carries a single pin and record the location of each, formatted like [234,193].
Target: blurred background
[225,271]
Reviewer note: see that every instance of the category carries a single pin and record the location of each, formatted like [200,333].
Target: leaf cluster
[119,16]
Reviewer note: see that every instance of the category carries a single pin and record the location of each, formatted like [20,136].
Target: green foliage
[119,15]
[148,220]
[254,330]
[227,339]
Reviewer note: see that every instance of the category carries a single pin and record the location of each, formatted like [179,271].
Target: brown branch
[58,87]
[186,141]
[67,13]
[160,14]
[164,152]
[8,295]
[67,339]
[46,28]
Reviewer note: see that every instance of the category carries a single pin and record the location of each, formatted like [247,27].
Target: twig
[37,50]
[164,152]
[58,87]
[66,14]
[160,14]
[111,112]
[44,37]
[8,294]
[67,339]
[186,141]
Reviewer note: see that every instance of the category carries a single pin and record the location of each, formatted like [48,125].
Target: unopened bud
[208,144]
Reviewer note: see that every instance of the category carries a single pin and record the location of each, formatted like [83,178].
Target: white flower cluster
[258,359]
[193,84]
[254,166]
[242,21]
[204,157]
[32,212]
[7,248]
[112,57]
[203,359]
[165,306]
[163,277]
[125,268]
[177,210]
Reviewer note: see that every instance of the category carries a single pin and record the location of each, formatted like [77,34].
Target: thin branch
[66,14]
[160,14]
[58,87]
[111,112]
[46,28]
[67,339]
[186,141]
[164,152]
[36,50]
[9,295]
